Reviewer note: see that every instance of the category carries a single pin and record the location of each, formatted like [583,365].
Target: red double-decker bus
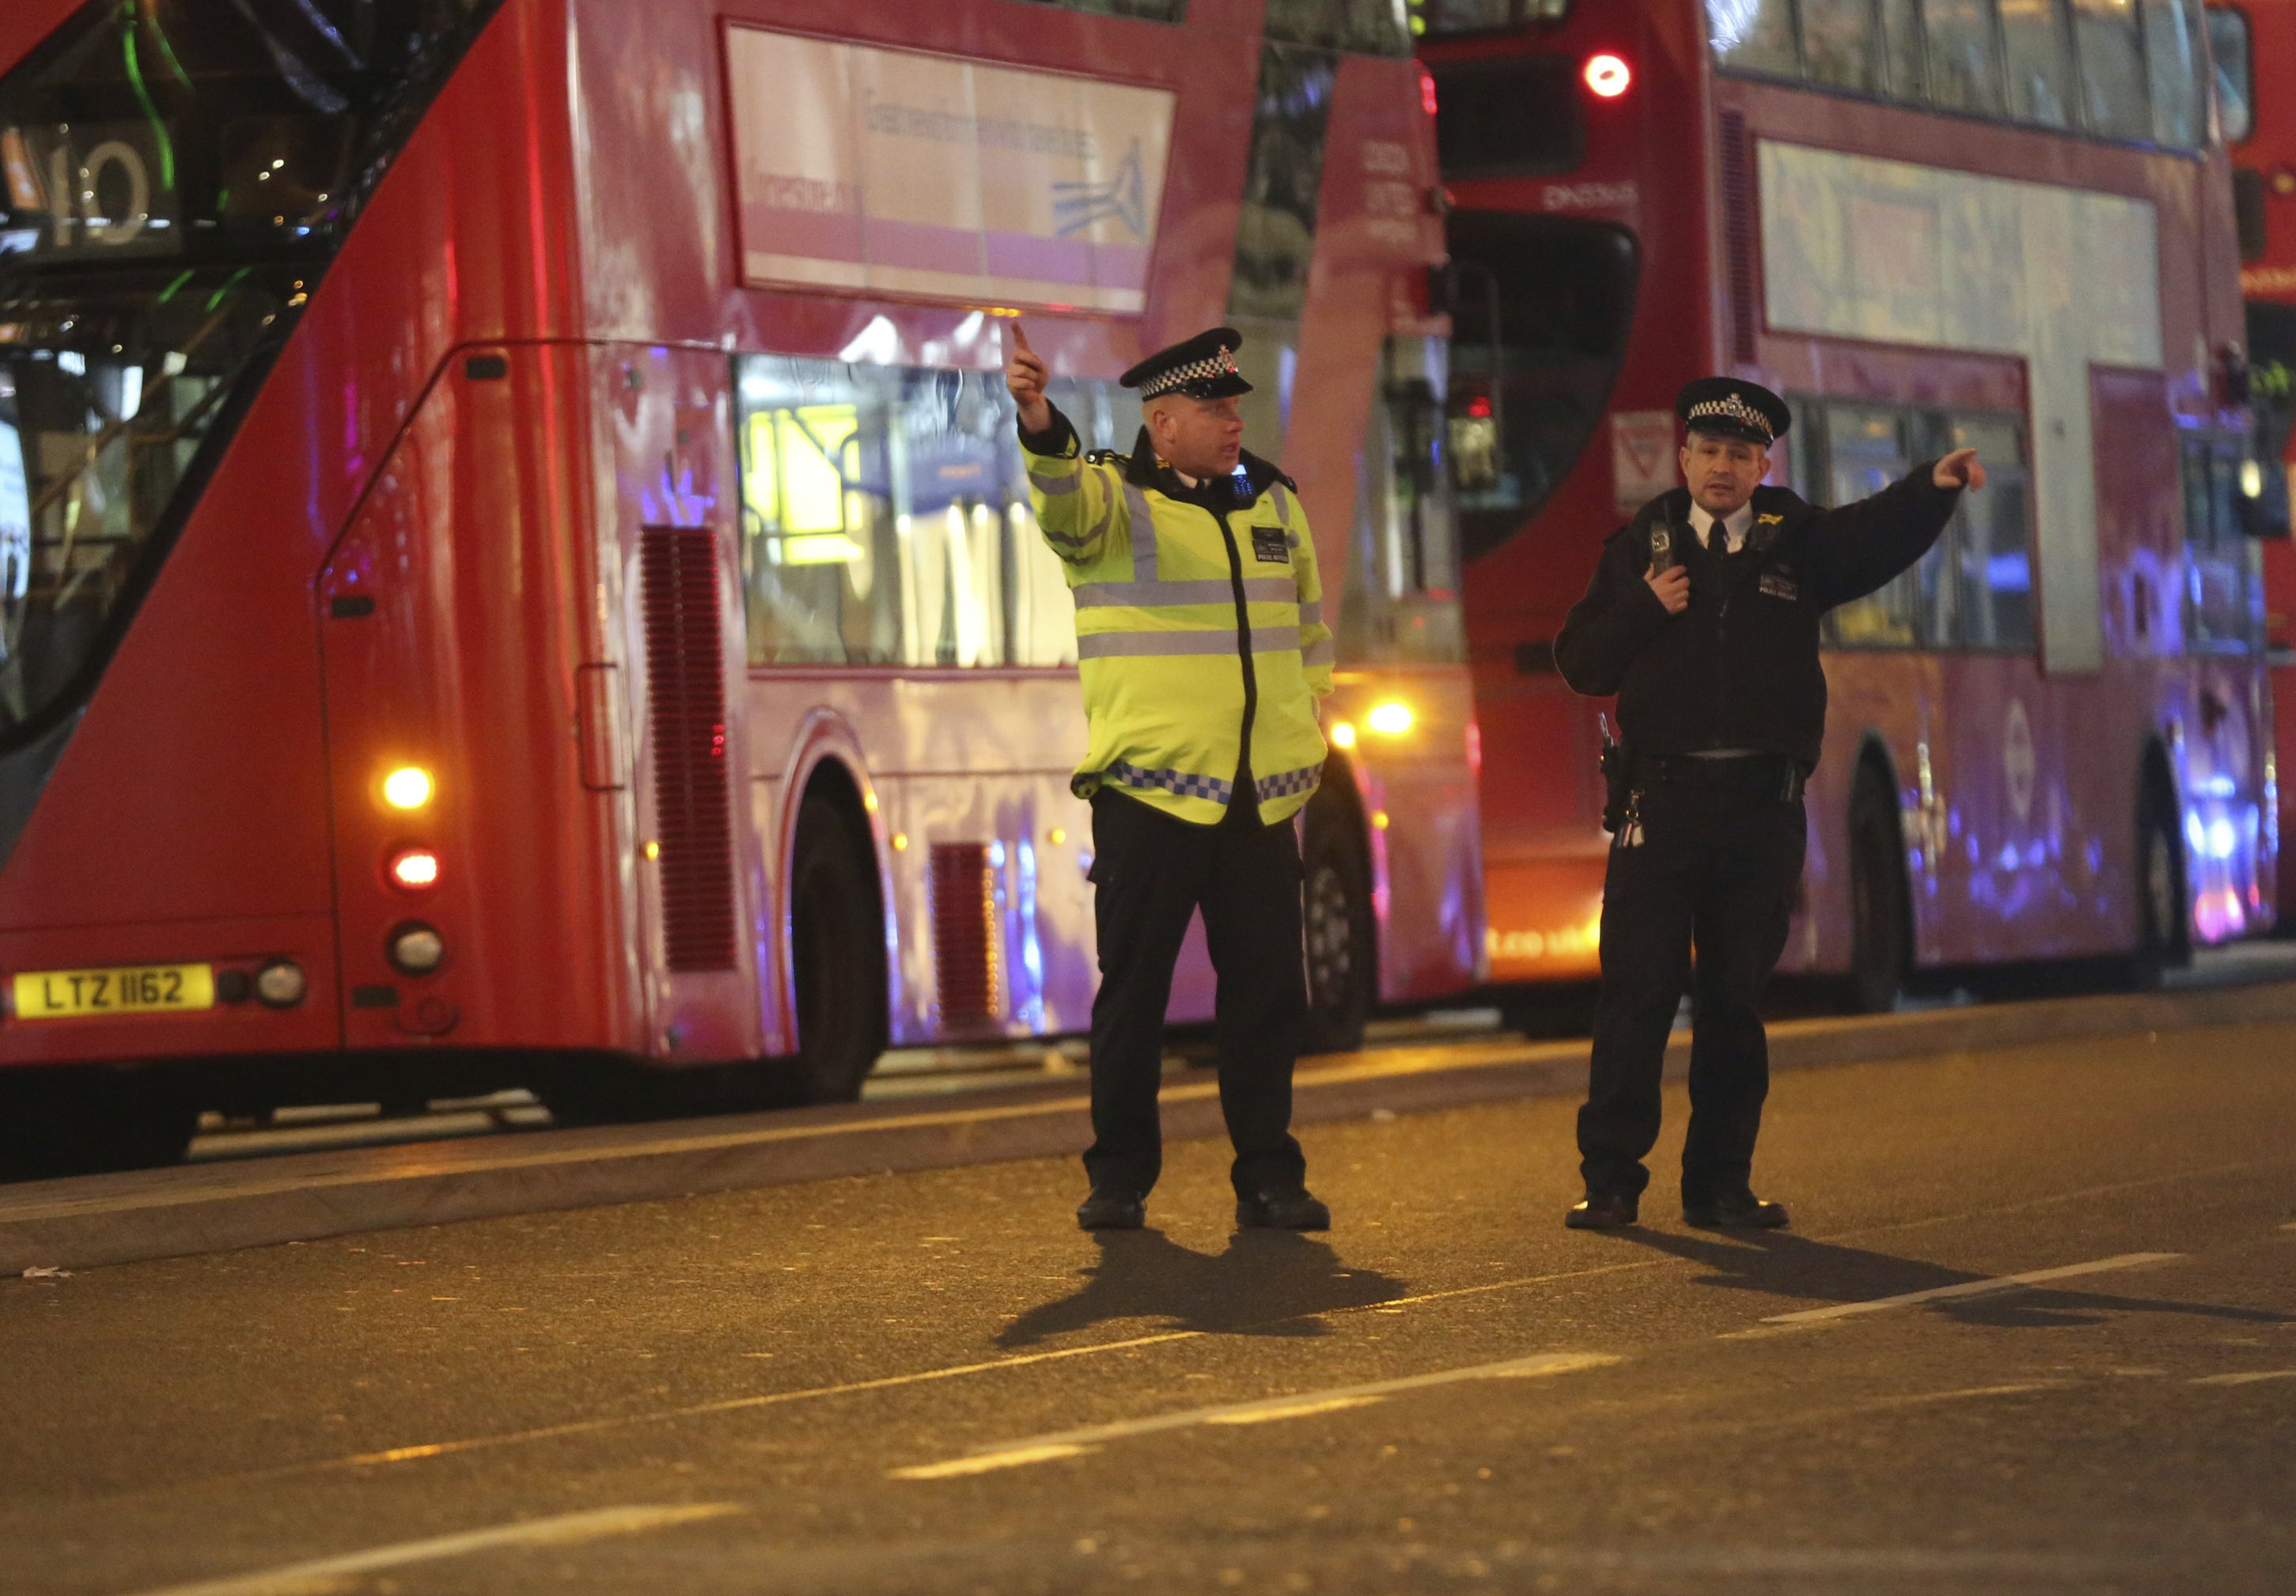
[515,553]
[2253,45]
[1999,223]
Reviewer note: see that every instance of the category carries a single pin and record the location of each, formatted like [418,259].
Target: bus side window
[885,517]
[2039,59]
[1866,448]
[1992,538]
[2172,56]
[2229,47]
[2112,68]
[2222,600]
[1964,65]
[1839,44]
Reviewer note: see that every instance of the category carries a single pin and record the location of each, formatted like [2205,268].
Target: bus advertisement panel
[2002,227]
[521,566]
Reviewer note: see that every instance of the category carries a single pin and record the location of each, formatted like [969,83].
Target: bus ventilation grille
[965,954]
[1738,210]
[685,695]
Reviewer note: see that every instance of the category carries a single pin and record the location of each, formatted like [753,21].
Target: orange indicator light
[406,788]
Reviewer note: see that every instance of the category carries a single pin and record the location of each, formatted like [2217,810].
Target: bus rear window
[1541,310]
[1444,19]
[1518,116]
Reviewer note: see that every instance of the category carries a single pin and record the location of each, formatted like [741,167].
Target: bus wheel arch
[833,908]
[1339,917]
[2164,937]
[1881,898]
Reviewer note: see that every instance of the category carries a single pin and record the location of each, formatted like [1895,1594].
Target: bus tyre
[837,948]
[1879,944]
[2163,939]
[1341,933]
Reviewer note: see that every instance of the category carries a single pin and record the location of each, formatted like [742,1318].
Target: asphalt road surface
[2034,1331]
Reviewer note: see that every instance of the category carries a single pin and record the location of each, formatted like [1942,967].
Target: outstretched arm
[1860,547]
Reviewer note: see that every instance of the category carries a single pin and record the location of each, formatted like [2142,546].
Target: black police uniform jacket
[1739,667]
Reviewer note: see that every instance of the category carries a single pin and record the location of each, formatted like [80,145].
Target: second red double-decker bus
[515,547]
[1997,223]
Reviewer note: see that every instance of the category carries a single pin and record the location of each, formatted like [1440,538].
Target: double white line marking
[1070,1443]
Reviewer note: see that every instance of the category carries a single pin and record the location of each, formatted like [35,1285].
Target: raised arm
[1077,504]
[1858,548]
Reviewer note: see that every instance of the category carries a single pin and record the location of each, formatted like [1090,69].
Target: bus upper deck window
[2112,68]
[1839,43]
[1901,39]
[1964,64]
[2038,58]
[2235,66]
[2172,63]
[1754,35]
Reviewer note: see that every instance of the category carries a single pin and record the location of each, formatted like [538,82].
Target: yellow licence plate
[136,989]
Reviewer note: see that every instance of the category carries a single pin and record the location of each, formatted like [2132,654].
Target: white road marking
[1068,1443]
[2246,1379]
[1938,1294]
[298,1579]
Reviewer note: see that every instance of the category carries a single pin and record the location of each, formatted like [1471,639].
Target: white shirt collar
[1735,527]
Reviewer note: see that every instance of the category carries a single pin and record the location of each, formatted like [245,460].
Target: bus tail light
[407,787]
[1343,734]
[1391,718]
[414,869]
[1608,76]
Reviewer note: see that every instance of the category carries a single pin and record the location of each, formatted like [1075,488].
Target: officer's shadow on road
[1791,1270]
[1265,1283]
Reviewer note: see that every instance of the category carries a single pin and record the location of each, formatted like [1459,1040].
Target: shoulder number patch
[1269,546]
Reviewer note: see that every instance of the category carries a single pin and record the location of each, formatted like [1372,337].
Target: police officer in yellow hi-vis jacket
[1202,643]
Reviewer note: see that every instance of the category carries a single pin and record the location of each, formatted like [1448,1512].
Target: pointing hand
[1959,469]
[1025,376]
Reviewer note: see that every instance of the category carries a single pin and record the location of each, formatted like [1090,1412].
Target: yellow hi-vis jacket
[1194,630]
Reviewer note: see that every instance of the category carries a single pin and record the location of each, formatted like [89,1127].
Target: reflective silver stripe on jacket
[1101,646]
[1069,482]
[1259,590]
[1143,534]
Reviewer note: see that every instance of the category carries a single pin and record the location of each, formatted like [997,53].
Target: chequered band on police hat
[1732,409]
[1220,362]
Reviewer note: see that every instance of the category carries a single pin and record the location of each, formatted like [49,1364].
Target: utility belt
[1626,775]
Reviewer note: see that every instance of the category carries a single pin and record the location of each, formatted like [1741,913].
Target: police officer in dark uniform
[1703,618]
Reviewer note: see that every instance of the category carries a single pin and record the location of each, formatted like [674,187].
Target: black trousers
[1151,873]
[1715,869]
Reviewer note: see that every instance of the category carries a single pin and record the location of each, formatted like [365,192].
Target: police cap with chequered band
[1728,408]
[1202,368]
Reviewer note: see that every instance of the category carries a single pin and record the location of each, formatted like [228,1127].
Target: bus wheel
[837,951]
[91,1122]
[2163,940]
[1879,916]
[1341,933]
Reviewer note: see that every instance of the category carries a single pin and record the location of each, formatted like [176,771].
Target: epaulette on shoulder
[1107,457]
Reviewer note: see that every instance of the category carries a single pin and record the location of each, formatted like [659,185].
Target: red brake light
[1608,76]
[414,869]
[1427,91]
